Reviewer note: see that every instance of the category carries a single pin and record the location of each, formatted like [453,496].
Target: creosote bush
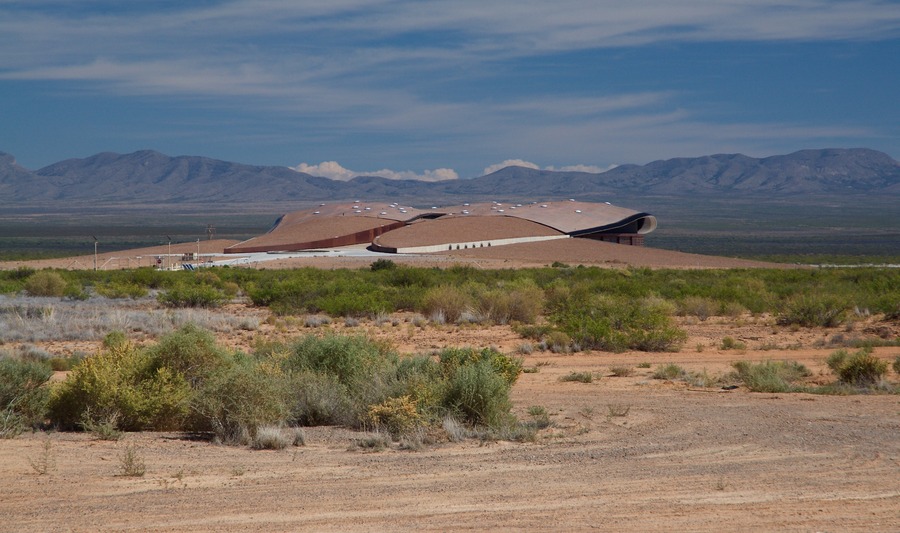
[186,382]
[600,322]
[860,369]
[45,283]
[812,310]
[23,396]
[770,376]
[670,371]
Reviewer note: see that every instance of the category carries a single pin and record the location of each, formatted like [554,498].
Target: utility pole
[95,252]
[169,256]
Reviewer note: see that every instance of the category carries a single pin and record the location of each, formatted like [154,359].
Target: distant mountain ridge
[149,177]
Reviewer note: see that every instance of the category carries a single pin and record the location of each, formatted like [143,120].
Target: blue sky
[438,89]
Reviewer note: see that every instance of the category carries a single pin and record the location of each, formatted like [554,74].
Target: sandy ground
[682,458]
[569,251]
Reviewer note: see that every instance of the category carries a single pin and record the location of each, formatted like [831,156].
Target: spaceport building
[395,228]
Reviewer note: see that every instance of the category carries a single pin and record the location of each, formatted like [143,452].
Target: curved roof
[459,229]
[393,226]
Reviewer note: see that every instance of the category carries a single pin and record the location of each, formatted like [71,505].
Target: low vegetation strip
[186,382]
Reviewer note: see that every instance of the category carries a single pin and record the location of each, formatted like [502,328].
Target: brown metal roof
[460,228]
[345,223]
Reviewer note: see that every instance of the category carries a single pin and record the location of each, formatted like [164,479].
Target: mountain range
[151,178]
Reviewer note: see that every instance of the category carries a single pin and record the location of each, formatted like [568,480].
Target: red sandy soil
[683,457]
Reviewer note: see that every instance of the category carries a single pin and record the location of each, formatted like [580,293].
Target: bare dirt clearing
[622,453]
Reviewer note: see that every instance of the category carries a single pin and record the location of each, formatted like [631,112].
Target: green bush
[697,306]
[23,395]
[398,416]
[813,310]
[507,367]
[192,295]
[190,352]
[580,377]
[770,376]
[670,371]
[120,289]
[619,324]
[514,302]
[446,301]
[353,360]
[121,383]
[382,264]
[729,343]
[478,394]
[860,369]
[45,283]
[317,399]
[237,400]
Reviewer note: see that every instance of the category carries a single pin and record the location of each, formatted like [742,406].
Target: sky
[440,90]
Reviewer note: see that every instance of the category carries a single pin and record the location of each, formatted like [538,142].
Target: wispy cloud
[379,68]
[333,170]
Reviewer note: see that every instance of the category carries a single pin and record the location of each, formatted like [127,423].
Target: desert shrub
[376,441]
[580,377]
[121,382]
[45,283]
[619,324]
[697,306]
[316,399]
[271,438]
[860,369]
[190,352]
[621,371]
[558,342]
[382,264]
[23,395]
[540,418]
[238,399]
[729,343]
[21,273]
[352,359]
[519,302]
[75,292]
[398,416]
[104,427]
[314,321]
[120,289]
[131,462]
[507,367]
[478,394]
[447,301]
[732,309]
[813,310]
[770,376]
[348,374]
[896,365]
[422,379]
[192,295]
[670,371]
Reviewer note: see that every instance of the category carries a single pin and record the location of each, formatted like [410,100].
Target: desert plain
[623,452]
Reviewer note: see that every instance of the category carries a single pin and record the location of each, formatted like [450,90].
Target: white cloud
[509,163]
[528,164]
[593,169]
[334,170]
